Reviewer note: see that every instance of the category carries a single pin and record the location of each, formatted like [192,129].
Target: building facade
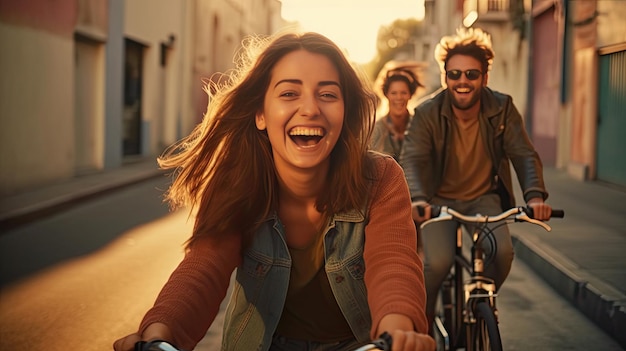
[90,85]
[581,48]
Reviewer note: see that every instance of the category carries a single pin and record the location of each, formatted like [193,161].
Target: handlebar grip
[155,345]
[556,213]
[435,210]
[384,341]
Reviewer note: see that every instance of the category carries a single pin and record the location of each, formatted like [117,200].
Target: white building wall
[509,73]
[164,20]
[36,108]
[37,92]
[220,27]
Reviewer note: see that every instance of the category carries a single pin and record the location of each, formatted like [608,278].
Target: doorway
[131,117]
[611,157]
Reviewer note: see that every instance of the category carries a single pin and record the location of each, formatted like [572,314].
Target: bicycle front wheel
[484,334]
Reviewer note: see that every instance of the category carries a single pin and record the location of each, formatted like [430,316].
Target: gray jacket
[428,142]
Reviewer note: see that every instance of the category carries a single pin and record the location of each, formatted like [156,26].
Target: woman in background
[398,87]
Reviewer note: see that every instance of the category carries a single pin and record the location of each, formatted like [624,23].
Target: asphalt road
[83,278]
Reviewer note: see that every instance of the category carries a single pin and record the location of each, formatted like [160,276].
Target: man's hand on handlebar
[541,210]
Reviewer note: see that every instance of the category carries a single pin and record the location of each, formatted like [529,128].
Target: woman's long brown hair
[225,170]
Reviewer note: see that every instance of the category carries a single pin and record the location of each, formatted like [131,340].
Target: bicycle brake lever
[444,216]
[523,216]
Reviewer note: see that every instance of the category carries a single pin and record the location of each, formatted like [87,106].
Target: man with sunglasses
[458,152]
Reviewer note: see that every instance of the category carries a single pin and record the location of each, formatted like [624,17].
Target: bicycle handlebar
[155,345]
[519,214]
[382,343]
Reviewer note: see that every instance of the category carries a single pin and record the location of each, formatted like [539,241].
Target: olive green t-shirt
[468,166]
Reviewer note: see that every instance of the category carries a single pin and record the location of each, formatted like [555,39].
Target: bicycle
[382,343]
[466,316]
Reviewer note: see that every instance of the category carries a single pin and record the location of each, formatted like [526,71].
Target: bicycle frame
[465,292]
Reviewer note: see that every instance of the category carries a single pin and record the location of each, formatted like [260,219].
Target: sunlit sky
[352,24]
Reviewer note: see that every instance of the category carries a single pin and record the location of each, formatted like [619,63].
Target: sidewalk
[20,208]
[583,258]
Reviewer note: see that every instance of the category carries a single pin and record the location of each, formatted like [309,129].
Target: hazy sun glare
[352,24]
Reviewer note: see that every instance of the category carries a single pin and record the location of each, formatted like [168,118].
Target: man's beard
[467,104]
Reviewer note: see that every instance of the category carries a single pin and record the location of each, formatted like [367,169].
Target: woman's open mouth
[306,137]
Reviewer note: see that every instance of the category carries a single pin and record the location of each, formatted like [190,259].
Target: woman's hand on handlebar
[403,336]
[404,340]
[127,343]
[421,211]
[541,210]
[155,331]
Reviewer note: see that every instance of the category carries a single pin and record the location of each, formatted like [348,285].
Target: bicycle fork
[459,297]
[477,288]
[450,328]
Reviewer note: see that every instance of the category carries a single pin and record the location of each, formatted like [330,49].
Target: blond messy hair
[468,41]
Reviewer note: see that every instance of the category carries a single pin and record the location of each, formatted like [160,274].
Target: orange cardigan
[190,300]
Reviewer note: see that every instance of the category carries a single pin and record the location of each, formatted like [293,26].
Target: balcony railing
[486,10]
[496,6]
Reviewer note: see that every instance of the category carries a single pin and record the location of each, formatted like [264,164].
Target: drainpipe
[565,54]
[530,97]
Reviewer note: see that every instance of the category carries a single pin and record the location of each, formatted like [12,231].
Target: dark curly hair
[472,42]
[401,75]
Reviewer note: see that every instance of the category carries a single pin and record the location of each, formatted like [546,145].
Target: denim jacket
[262,279]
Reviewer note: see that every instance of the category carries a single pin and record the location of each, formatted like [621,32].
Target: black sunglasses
[471,74]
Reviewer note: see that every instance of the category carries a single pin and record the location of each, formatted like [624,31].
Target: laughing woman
[285,193]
